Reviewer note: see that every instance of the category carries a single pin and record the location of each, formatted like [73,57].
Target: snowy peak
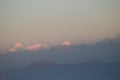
[66,43]
[19,47]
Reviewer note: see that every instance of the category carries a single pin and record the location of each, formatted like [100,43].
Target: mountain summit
[17,46]
[66,43]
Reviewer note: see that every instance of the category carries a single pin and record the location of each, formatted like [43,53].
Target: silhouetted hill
[86,71]
[42,63]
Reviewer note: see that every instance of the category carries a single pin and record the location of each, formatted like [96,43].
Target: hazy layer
[54,21]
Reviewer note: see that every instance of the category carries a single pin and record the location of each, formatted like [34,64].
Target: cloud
[66,43]
[36,47]
[17,46]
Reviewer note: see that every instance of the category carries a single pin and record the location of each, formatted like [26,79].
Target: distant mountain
[106,51]
[117,38]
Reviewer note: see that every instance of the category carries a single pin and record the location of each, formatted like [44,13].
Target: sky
[55,21]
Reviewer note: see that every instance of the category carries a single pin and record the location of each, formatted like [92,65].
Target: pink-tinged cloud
[66,43]
[36,47]
[17,46]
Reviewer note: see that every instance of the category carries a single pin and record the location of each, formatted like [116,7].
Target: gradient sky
[53,21]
